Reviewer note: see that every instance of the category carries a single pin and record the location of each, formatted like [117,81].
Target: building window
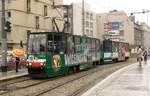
[9,14]
[87,15]
[91,16]
[37,22]
[91,32]
[87,32]
[122,32]
[45,10]
[87,24]
[28,6]
[9,1]
[91,25]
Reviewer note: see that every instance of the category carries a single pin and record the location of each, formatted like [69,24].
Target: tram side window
[50,43]
[59,42]
[93,45]
[89,44]
[70,44]
[78,47]
[84,44]
[97,45]
[126,47]
[42,44]
[114,46]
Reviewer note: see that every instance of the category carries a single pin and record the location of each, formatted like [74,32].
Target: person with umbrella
[18,53]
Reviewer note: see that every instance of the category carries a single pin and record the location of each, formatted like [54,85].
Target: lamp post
[4,39]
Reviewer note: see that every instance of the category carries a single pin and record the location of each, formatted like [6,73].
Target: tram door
[107,50]
[56,47]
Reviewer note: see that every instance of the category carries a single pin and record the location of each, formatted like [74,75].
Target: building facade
[116,26]
[138,35]
[89,24]
[146,35]
[31,16]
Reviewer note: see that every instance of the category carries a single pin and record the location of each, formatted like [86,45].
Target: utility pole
[65,17]
[4,39]
[83,22]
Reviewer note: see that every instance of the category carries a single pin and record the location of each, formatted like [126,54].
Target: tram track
[73,80]
[69,83]
[83,88]
[12,81]
[90,84]
[21,84]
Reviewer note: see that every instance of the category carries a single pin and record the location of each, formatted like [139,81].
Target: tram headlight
[30,64]
[42,64]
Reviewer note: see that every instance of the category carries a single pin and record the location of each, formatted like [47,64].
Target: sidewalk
[13,74]
[129,81]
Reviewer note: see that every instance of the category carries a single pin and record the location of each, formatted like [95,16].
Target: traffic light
[7,26]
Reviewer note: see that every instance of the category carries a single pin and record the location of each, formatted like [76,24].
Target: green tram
[55,53]
[113,51]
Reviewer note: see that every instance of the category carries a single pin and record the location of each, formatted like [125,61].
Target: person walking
[145,54]
[139,55]
[17,63]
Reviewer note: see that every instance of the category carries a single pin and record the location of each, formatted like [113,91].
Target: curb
[13,76]
[4,76]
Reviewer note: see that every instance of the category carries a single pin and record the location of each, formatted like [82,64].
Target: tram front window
[107,46]
[37,43]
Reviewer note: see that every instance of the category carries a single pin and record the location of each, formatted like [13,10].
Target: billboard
[112,25]
[113,28]
[113,32]
[115,25]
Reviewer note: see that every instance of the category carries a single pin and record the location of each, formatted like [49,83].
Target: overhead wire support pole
[147,11]
[66,23]
[83,22]
[4,39]
[142,12]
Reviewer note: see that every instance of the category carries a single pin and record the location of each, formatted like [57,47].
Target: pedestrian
[17,63]
[139,55]
[145,54]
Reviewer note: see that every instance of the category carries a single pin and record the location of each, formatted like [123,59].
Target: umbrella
[18,52]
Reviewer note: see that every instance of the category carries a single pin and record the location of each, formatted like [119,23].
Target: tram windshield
[36,43]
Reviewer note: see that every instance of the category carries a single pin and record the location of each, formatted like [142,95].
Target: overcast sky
[128,6]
